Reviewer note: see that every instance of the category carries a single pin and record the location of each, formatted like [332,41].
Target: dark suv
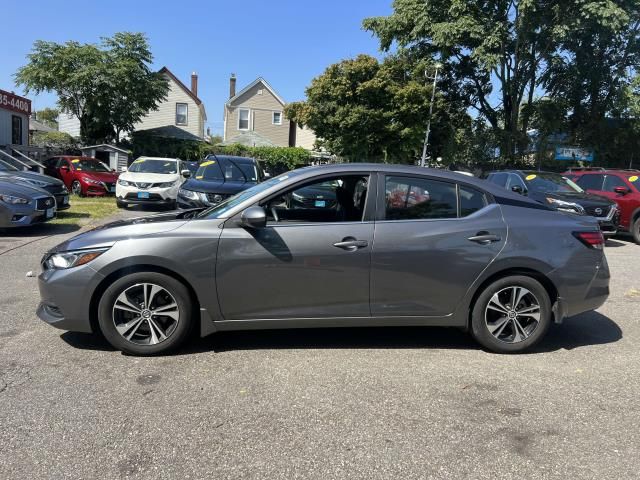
[621,186]
[560,192]
[217,178]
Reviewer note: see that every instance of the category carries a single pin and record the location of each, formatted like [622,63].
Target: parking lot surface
[336,403]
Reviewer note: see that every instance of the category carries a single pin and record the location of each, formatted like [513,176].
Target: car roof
[233,158]
[612,171]
[80,157]
[157,158]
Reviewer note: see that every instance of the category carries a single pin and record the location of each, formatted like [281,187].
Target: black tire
[177,335]
[76,188]
[635,230]
[510,343]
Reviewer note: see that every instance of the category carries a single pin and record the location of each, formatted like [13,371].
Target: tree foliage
[366,110]
[109,86]
[501,56]
[48,116]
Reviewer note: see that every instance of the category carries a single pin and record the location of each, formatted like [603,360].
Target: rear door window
[412,198]
[590,182]
[611,182]
[471,200]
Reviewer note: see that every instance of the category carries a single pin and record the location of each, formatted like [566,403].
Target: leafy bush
[54,140]
[276,159]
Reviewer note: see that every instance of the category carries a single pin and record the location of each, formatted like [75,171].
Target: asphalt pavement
[321,404]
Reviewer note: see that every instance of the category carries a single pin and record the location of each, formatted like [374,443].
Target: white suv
[150,181]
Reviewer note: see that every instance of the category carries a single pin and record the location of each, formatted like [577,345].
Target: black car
[52,185]
[561,193]
[217,178]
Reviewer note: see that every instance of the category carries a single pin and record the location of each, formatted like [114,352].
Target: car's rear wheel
[635,230]
[511,314]
[76,188]
[145,313]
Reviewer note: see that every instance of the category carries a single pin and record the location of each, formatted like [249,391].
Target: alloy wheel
[512,314]
[146,314]
[76,188]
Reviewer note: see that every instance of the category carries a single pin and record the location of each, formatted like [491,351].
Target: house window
[243,119]
[182,113]
[277,118]
[16,130]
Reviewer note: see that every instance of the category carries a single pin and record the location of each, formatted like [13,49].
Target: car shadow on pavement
[587,329]
[40,230]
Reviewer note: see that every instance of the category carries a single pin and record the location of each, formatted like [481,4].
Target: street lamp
[433,94]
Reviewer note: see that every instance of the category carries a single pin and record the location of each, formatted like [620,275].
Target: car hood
[110,177]
[108,234]
[149,177]
[32,176]
[216,186]
[584,199]
[18,187]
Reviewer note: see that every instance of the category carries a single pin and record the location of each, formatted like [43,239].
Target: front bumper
[130,195]
[65,297]
[24,215]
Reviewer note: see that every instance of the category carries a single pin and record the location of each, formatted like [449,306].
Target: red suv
[83,175]
[623,186]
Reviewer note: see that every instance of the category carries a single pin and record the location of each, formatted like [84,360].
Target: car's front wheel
[511,314]
[635,230]
[76,188]
[145,313]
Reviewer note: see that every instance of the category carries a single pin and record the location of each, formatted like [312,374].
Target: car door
[626,202]
[312,260]
[51,167]
[432,240]
[66,172]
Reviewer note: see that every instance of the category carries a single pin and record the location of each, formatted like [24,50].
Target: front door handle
[484,238]
[351,244]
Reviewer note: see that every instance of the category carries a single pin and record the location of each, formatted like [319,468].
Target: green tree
[363,109]
[48,116]
[109,86]
[502,54]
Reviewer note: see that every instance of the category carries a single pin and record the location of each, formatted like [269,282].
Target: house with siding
[182,109]
[254,116]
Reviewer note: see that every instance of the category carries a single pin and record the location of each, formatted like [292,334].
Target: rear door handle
[351,244]
[484,238]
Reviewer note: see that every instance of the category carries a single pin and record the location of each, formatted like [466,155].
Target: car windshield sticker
[75,160]
[207,163]
[633,178]
[530,177]
[140,160]
[199,177]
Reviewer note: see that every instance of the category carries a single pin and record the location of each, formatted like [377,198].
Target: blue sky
[288,42]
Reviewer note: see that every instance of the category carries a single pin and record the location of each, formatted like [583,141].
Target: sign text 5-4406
[13,102]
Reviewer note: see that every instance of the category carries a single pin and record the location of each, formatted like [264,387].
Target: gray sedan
[387,246]
[22,204]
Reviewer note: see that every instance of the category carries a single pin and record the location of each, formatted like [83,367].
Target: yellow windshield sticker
[199,177]
[207,163]
[633,178]
[530,177]
[140,160]
[79,169]
[75,160]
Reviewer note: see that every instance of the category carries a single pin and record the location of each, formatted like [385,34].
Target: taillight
[591,239]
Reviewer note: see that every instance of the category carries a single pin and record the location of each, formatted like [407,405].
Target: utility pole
[433,95]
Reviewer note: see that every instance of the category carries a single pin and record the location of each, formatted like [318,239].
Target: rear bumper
[591,298]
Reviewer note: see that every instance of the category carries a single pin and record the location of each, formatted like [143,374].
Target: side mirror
[65,168]
[517,189]
[621,190]
[123,169]
[254,217]
[267,175]
[186,173]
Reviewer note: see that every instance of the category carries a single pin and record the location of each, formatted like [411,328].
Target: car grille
[211,197]
[597,211]
[109,186]
[56,189]
[44,203]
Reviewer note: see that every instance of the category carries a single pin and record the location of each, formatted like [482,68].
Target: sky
[287,42]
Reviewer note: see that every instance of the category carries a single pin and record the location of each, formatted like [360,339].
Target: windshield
[86,165]
[5,167]
[145,165]
[229,203]
[550,183]
[209,170]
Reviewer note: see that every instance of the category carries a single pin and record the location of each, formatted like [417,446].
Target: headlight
[165,184]
[123,182]
[13,200]
[64,191]
[188,194]
[64,260]
[566,206]
[91,180]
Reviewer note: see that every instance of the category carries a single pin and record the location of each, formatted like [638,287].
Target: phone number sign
[10,101]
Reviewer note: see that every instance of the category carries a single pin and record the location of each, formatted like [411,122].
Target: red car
[622,186]
[83,175]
